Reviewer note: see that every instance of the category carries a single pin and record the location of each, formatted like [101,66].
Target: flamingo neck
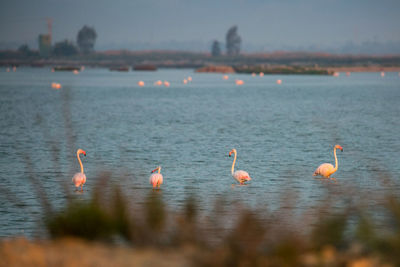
[80,162]
[233,164]
[159,169]
[336,162]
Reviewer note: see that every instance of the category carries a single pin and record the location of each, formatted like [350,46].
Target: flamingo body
[79,179]
[156,179]
[325,170]
[241,176]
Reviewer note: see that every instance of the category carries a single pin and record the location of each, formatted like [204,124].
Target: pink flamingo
[156,179]
[327,169]
[79,178]
[240,176]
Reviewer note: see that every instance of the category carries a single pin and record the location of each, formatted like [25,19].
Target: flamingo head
[232,151]
[339,147]
[156,169]
[81,151]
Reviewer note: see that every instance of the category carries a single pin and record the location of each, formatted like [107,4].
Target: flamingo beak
[230,154]
[154,170]
[84,153]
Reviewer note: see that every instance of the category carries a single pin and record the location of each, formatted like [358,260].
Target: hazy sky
[262,23]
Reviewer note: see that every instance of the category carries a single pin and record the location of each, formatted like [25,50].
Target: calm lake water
[281,132]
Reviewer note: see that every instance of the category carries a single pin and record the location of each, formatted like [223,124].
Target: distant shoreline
[364,69]
[297,62]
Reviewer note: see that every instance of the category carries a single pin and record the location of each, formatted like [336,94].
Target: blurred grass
[336,238]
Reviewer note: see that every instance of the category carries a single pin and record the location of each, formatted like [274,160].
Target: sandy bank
[75,252]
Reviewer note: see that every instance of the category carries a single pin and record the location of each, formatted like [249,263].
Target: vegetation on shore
[180,59]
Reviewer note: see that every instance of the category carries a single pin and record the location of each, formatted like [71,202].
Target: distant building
[44,45]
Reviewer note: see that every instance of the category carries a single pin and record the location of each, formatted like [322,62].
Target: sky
[193,24]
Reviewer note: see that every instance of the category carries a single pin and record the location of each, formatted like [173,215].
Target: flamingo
[240,176]
[239,82]
[327,169]
[156,179]
[56,86]
[79,178]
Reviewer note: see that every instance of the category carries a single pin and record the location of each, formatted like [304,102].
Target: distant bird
[382,74]
[253,74]
[79,178]
[56,86]
[75,72]
[261,74]
[239,82]
[336,74]
[158,82]
[185,81]
[240,176]
[278,81]
[225,77]
[189,79]
[140,83]
[156,179]
[327,169]
[348,73]
[166,84]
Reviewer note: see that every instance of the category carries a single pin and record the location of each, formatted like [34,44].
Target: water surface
[281,132]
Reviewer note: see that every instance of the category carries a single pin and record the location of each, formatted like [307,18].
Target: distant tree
[215,49]
[25,51]
[233,42]
[65,48]
[86,39]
